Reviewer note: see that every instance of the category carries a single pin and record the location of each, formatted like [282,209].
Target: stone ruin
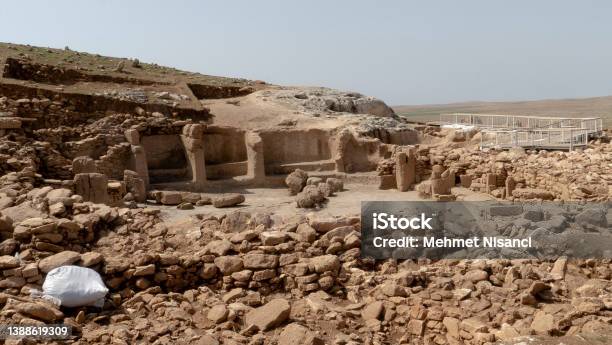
[91,154]
[514,174]
[183,149]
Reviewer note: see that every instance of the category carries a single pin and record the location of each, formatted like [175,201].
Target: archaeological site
[222,211]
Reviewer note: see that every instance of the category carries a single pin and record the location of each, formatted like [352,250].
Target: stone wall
[288,146]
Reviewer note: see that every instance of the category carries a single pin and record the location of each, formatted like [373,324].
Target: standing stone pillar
[448,176]
[256,169]
[450,179]
[342,140]
[510,186]
[466,181]
[490,182]
[135,185]
[435,181]
[437,186]
[405,170]
[192,139]
[441,183]
[139,156]
[92,187]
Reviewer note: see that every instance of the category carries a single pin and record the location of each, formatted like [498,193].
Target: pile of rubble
[76,188]
[324,100]
[312,192]
[516,174]
[250,280]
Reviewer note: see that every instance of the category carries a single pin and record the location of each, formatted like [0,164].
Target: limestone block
[195,131]
[296,181]
[83,165]
[448,178]
[436,171]
[466,181]
[387,182]
[9,123]
[490,182]
[135,185]
[228,200]
[255,157]
[405,170]
[510,186]
[438,186]
[139,158]
[116,191]
[92,187]
[132,136]
[195,155]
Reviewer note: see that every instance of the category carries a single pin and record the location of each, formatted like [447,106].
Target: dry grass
[105,65]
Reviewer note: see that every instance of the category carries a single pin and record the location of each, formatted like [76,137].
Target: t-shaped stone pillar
[139,156]
[192,138]
[510,186]
[405,170]
[256,169]
[140,166]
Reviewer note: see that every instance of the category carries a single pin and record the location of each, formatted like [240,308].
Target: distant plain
[579,107]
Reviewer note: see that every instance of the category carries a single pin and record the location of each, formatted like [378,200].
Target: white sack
[75,286]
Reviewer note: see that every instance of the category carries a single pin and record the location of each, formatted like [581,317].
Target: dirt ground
[279,202]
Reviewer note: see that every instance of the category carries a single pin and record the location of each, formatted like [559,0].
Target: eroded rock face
[323,99]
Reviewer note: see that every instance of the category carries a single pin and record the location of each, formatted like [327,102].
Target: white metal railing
[551,138]
[591,124]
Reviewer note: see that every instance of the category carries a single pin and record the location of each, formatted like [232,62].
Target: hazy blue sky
[405,52]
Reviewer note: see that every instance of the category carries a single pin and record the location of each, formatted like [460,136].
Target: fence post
[571,139]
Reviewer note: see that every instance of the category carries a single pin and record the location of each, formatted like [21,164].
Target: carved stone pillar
[192,138]
[256,169]
[405,170]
